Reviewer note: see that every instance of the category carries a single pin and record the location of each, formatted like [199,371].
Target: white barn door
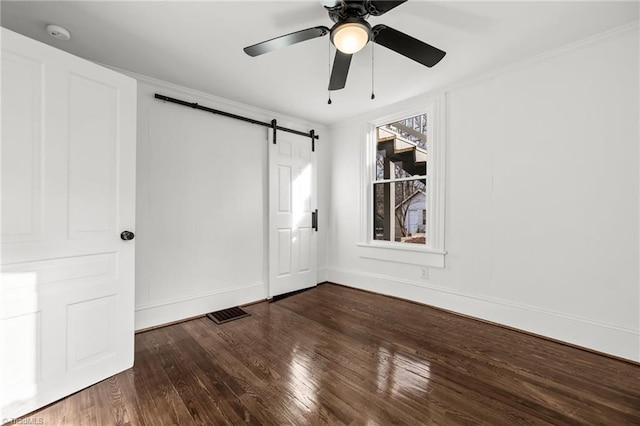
[292,203]
[68,182]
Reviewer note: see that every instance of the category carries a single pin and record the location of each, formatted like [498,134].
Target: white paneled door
[292,203]
[68,182]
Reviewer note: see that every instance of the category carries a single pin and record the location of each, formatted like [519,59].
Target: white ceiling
[199,45]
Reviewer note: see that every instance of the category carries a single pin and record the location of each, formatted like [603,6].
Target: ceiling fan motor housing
[348,9]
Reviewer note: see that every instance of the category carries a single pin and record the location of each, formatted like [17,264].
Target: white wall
[201,205]
[542,217]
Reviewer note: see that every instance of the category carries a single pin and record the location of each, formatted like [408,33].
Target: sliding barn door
[68,181]
[292,203]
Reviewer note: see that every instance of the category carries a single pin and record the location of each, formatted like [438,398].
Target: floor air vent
[226,315]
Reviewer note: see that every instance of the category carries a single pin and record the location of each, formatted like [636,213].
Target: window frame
[431,253]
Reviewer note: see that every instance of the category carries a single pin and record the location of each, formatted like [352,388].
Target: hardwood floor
[334,355]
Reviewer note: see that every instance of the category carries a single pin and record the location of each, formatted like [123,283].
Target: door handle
[314,220]
[127,235]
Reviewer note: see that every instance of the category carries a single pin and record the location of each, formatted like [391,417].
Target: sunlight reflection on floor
[400,375]
[302,384]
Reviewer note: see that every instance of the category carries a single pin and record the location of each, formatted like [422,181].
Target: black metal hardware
[127,235]
[274,126]
[312,134]
[314,220]
[230,115]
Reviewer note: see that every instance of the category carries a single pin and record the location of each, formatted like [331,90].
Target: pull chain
[329,101]
[373,96]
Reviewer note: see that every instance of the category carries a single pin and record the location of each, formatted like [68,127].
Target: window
[403,186]
[400,183]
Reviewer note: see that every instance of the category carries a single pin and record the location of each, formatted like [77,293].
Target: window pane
[412,128]
[400,211]
[402,148]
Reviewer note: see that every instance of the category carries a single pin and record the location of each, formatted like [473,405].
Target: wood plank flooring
[335,355]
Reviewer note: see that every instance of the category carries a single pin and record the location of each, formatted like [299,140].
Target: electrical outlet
[424,273]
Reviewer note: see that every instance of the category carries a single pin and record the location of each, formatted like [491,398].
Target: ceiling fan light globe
[350,37]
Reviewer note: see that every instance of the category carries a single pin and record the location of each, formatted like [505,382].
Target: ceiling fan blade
[340,70]
[406,45]
[380,7]
[286,40]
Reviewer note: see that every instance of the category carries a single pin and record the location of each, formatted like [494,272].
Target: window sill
[412,255]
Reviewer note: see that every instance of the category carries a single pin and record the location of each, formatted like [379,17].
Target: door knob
[127,235]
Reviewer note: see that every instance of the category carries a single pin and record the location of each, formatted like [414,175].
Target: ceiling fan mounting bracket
[371,9]
[376,30]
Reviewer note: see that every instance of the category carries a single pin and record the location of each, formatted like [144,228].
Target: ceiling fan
[351,32]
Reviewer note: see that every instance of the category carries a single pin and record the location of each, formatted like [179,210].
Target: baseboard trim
[322,275]
[167,324]
[166,312]
[587,334]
